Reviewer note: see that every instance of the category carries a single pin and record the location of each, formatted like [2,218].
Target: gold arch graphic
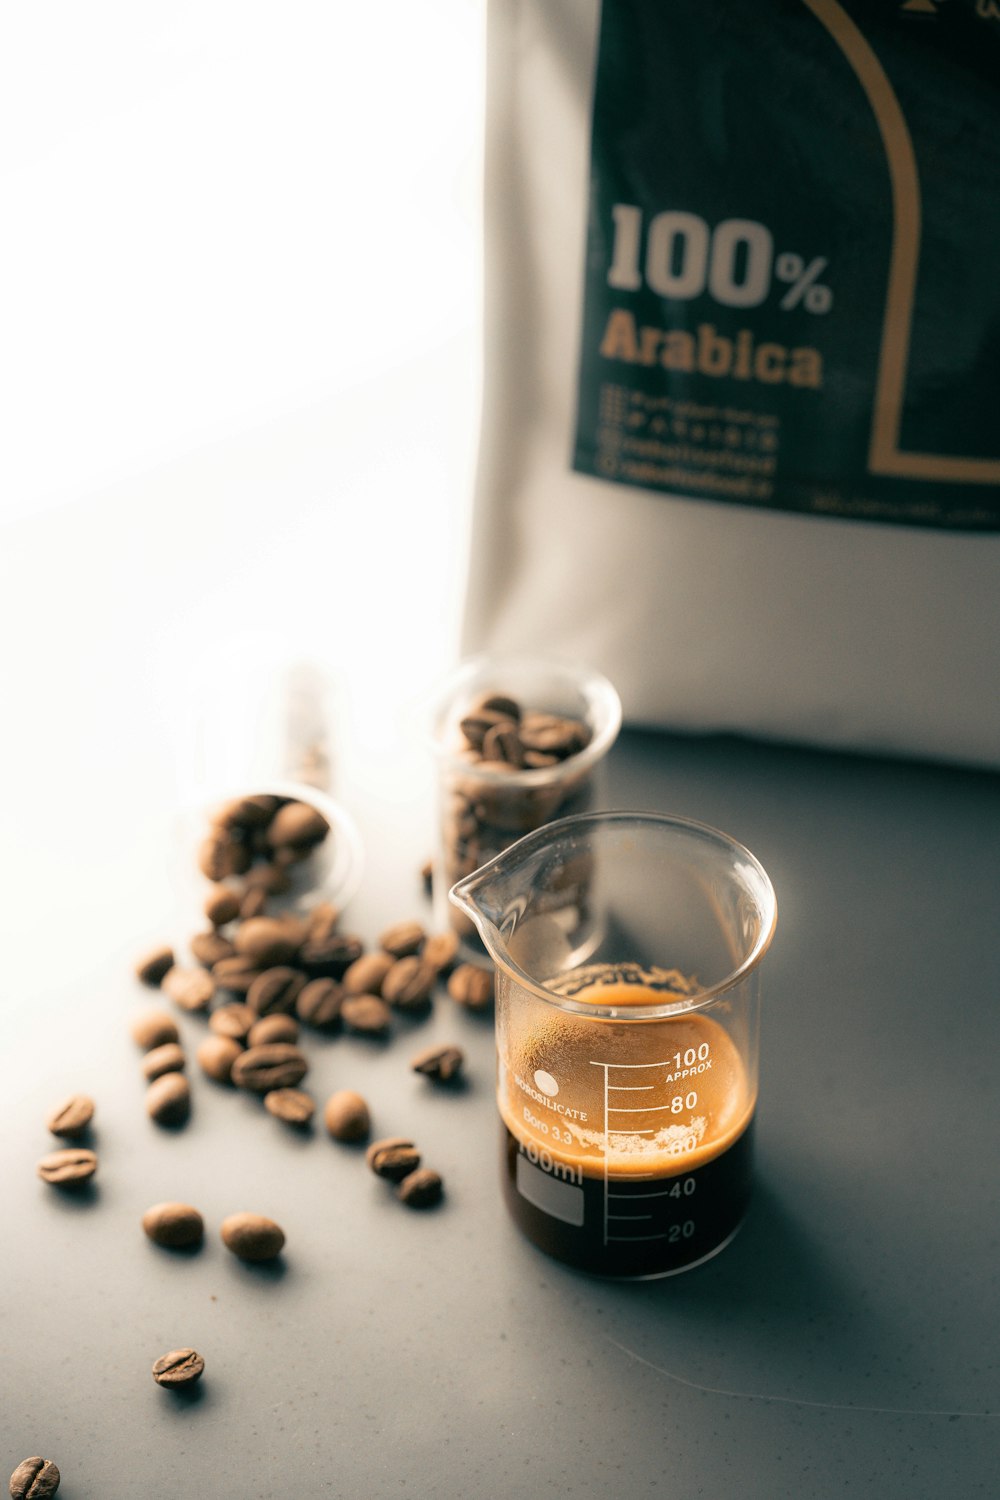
[884,453]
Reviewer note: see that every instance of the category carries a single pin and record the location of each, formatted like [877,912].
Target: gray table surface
[845,1343]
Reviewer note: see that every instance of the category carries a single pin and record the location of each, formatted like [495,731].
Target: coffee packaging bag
[740,446]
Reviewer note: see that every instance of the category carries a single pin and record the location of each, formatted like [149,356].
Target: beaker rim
[699,999]
[603,704]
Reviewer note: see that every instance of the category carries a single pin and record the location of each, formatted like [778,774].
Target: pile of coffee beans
[511,770]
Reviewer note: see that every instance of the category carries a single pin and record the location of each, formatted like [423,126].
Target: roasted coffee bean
[427,876]
[330,955]
[34,1479]
[278,1065]
[273,1028]
[266,941]
[499,703]
[73,1117]
[409,984]
[68,1168]
[174,1225]
[215,1056]
[553,734]
[503,743]
[153,1028]
[441,1063]
[268,878]
[191,989]
[209,947]
[440,951]
[233,1020]
[154,965]
[365,974]
[472,986]
[322,920]
[252,1237]
[297,825]
[394,1158]
[420,1189]
[236,974]
[318,1004]
[168,1099]
[275,991]
[402,939]
[477,725]
[346,1116]
[294,1106]
[366,1014]
[222,905]
[166,1059]
[253,904]
[179,1367]
[250,812]
[220,855]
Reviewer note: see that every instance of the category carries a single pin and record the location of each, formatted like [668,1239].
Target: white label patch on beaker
[559,1199]
[545,1083]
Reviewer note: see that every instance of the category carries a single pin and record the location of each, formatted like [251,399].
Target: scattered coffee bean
[366,1014]
[297,826]
[166,1059]
[174,1225]
[420,1189]
[330,955]
[209,947]
[73,1117]
[253,811]
[366,974]
[318,1004]
[153,966]
[68,1168]
[394,1158]
[346,1116]
[191,989]
[179,1367]
[215,1056]
[427,876]
[409,984]
[472,986]
[277,1065]
[275,991]
[253,904]
[222,905]
[236,974]
[153,1028]
[168,1099]
[269,879]
[222,854]
[402,939]
[233,1020]
[267,941]
[440,951]
[252,1237]
[273,1028]
[294,1106]
[34,1479]
[442,1063]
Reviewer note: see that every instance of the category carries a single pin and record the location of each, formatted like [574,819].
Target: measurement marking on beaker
[609,1110]
[663,1193]
[633,1237]
[630,1218]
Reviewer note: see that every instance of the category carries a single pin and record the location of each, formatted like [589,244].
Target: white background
[239,394]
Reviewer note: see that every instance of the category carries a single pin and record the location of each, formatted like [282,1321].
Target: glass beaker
[553,723]
[627,949]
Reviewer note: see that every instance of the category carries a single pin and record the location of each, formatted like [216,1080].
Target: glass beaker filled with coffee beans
[519,742]
[627,1035]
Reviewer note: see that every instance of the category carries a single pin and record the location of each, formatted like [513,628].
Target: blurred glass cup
[519,741]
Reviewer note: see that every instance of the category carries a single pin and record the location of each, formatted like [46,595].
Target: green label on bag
[792,291]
